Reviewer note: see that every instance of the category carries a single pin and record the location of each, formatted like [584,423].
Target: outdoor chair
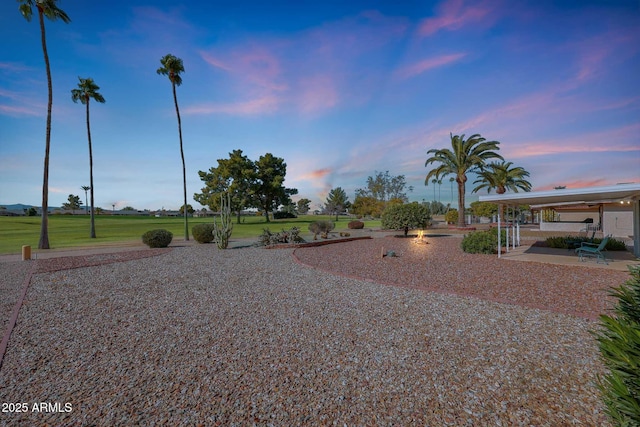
[591,249]
[577,242]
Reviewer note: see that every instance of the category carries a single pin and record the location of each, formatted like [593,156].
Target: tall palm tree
[466,155]
[49,9]
[86,91]
[86,205]
[172,67]
[502,177]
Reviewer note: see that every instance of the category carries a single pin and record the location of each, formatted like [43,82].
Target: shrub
[619,343]
[285,236]
[283,215]
[157,238]
[356,225]
[561,242]
[451,217]
[483,242]
[203,233]
[321,227]
[411,215]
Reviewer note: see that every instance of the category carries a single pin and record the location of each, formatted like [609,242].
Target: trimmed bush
[203,233]
[483,242]
[285,236]
[283,215]
[356,225]
[157,238]
[451,217]
[411,215]
[561,242]
[321,227]
[619,343]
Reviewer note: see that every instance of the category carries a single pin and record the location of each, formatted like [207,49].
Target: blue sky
[338,89]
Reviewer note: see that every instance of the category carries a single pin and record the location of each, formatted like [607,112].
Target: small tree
[410,215]
[337,201]
[73,203]
[303,206]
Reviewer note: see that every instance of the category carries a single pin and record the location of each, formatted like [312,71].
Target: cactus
[222,232]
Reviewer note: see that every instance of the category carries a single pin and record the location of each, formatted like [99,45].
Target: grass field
[67,231]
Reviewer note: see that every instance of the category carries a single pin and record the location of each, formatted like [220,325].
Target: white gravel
[199,336]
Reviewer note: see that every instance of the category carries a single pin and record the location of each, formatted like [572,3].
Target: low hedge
[159,238]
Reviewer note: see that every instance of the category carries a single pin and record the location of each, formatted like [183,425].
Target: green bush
[157,238]
[562,242]
[483,242]
[451,217]
[283,215]
[321,227]
[619,343]
[285,236]
[411,215]
[355,225]
[203,233]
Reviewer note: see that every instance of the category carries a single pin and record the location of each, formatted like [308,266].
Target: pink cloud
[317,93]
[428,64]
[454,14]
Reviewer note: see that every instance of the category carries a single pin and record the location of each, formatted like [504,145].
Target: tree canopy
[337,201]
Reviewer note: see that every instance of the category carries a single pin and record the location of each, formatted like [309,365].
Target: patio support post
[636,227]
[506,227]
[518,230]
[499,237]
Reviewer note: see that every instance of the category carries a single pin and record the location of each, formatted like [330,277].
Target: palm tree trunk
[461,191]
[184,168]
[92,233]
[44,228]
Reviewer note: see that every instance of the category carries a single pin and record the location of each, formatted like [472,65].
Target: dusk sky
[339,89]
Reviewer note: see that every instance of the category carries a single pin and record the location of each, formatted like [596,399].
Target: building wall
[617,220]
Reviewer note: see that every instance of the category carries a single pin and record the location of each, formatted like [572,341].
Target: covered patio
[612,195]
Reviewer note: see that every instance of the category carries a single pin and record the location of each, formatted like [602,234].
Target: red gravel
[442,266]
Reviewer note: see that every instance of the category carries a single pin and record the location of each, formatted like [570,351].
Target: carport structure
[612,194]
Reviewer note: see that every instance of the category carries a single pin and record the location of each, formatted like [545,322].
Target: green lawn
[73,230]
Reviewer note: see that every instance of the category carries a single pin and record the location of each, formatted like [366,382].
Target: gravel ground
[198,336]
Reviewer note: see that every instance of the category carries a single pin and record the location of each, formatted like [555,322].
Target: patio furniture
[591,249]
[577,242]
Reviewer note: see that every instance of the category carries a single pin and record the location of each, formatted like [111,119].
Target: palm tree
[434,181]
[86,205]
[451,180]
[467,155]
[87,90]
[49,9]
[172,67]
[502,177]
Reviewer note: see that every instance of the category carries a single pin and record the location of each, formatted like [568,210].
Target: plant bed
[316,243]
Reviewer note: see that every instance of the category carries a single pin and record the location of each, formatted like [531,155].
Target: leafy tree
[190,209]
[73,203]
[484,209]
[86,91]
[172,67]
[384,187]
[337,201]
[408,215]
[128,208]
[32,211]
[303,206]
[233,176]
[49,9]
[502,177]
[465,155]
[267,190]
[367,206]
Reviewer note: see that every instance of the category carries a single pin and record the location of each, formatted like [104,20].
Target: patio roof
[569,196]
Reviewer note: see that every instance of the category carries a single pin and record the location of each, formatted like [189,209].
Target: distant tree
[128,208]
[303,205]
[367,206]
[405,216]
[233,177]
[85,188]
[268,190]
[32,212]
[73,203]
[190,209]
[465,155]
[560,187]
[484,209]
[384,187]
[172,67]
[49,9]
[86,91]
[337,201]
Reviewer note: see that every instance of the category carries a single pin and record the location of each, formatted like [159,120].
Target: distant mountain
[19,207]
